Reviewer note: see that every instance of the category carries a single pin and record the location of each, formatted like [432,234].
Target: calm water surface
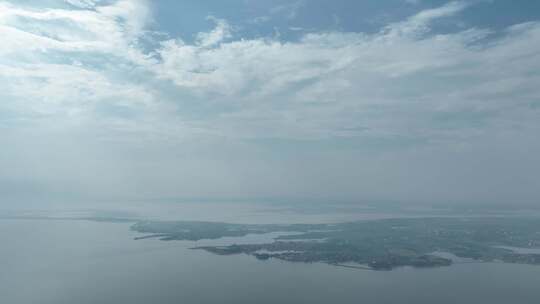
[59,262]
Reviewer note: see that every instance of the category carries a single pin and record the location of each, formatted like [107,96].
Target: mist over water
[53,257]
[254,211]
[61,262]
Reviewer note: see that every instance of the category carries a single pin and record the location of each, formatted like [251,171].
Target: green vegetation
[380,244]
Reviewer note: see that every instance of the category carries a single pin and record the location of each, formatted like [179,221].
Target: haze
[357,101]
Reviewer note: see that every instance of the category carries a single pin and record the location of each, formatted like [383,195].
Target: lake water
[72,261]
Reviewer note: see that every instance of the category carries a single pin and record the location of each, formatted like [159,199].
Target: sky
[312,100]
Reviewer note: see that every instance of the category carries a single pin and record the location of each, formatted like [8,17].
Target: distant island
[376,244]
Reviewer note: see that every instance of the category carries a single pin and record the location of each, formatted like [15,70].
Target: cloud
[397,82]
[259,20]
[419,23]
[66,60]
[415,2]
[86,72]
[290,10]
[221,32]
[324,85]
[83,3]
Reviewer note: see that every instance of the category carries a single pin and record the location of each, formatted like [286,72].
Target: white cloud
[85,71]
[419,23]
[290,10]
[396,82]
[56,61]
[393,83]
[221,32]
[83,3]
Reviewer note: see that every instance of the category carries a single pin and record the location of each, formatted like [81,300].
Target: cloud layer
[95,70]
